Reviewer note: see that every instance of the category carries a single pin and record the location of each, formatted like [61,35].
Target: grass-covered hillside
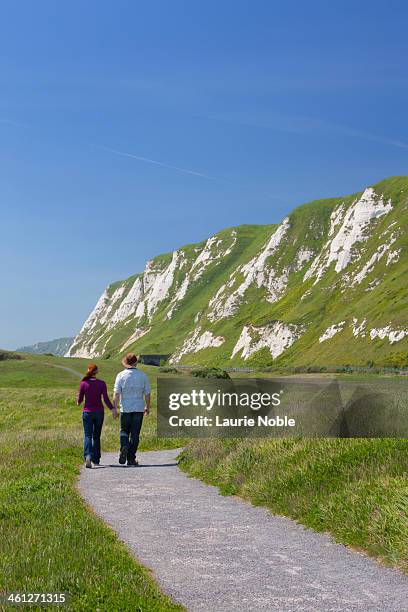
[327,286]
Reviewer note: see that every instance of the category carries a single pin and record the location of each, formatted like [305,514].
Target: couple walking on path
[131,392]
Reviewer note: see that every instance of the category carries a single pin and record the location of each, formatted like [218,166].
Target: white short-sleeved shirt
[132,385]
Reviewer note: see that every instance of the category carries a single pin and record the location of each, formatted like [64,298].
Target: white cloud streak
[164,165]
[305,125]
[343,129]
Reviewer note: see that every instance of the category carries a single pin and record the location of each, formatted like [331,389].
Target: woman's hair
[91,371]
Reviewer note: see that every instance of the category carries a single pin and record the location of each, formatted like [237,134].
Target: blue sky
[252,108]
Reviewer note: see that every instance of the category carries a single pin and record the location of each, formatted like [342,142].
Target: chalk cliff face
[56,347]
[325,286]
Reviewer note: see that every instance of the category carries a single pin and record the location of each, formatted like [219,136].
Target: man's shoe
[88,461]
[123,455]
[95,462]
[133,462]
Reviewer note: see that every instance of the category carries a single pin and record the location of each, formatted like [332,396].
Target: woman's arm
[81,394]
[106,398]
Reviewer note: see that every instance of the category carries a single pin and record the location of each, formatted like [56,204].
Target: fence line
[347,369]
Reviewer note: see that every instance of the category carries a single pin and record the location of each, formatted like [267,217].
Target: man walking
[132,389]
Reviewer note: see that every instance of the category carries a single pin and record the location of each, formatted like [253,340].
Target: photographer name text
[217,421]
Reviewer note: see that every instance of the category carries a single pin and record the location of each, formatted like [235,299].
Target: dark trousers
[93,422]
[130,426]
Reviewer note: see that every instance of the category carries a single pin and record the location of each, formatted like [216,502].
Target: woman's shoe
[88,461]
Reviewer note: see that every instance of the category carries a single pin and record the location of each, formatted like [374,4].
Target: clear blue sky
[263,105]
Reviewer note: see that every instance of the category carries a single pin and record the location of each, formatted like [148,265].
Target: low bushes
[210,373]
[4,355]
[169,370]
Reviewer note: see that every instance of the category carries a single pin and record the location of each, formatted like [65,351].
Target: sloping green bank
[355,489]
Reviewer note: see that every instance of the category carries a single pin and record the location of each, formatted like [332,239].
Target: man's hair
[129,360]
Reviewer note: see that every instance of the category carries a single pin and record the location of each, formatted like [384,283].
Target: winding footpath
[61,367]
[216,553]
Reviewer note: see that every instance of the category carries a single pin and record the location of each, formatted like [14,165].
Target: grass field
[49,540]
[355,489]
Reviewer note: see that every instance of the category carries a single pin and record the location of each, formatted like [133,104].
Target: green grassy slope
[329,303]
[165,334]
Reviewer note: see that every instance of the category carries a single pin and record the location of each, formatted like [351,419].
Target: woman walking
[93,390]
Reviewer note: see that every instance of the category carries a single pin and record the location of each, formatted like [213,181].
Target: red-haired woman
[93,390]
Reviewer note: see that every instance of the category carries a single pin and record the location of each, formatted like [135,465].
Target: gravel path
[217,553]
[61,367]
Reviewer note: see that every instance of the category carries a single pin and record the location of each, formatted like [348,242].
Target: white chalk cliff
[293,289]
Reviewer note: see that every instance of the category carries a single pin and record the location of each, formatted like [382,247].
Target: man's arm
[116,399]
[147,396]
[116,396]
[147,404]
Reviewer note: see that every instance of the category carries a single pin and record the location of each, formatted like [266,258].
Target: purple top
[93,390]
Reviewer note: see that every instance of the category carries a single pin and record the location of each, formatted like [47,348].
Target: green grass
[45,371]
[355,489]
[49,540]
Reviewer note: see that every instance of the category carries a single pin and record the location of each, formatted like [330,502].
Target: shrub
[396,360]
[9,355]
[210,373]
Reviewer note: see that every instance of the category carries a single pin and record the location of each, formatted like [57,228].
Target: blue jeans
[93,422]
[130,426]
